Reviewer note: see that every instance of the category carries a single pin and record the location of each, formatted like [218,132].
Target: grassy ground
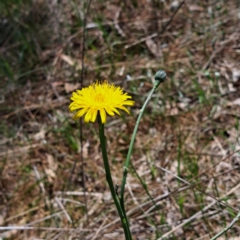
[190,128]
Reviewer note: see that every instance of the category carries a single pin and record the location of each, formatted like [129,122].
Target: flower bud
[160,76]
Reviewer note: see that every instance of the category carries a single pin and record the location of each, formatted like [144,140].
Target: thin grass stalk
[122,215]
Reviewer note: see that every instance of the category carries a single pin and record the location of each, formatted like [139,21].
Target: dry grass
[190,128]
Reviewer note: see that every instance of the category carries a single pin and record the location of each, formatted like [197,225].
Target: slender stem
[122,215]
[127,162]
[227,228]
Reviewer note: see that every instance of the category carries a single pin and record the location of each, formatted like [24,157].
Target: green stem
[121,213]
[227,228]
[159,78]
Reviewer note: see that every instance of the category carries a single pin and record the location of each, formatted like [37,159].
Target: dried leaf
[70,87]
[153,48]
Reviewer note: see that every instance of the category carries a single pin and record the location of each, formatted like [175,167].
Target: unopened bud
[160,76]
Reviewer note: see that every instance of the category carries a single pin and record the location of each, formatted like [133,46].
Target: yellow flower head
[99,97]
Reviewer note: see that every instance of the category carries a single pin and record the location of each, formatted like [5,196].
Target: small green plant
[94,103]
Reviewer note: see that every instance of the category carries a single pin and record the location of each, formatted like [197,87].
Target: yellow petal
[109,111]
[123,108]
[88,116]
[80,113]
[116,111]
[103,116]
[94,115]
[129,103]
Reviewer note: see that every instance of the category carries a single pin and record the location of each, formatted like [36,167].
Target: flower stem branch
[159,78]
[122,215]
[227,228]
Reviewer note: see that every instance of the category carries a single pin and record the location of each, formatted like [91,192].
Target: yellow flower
[99,97]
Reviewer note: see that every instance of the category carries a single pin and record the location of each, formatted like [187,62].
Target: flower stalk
[121,213]
[160,77]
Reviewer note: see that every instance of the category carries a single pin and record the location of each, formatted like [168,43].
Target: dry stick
[214,165]
[47,202]
[81,123]
[24,212]
[134,198]
[25,227]
[63,209]
[41,205]
[18,151]
[135,209]
[57,236]
[194,186]
[131,211]
[42,228]
[164,196]
[116,25]
[75,193]
[39,179]
[214,53]
[98,230]
[47,106]
[159,198]
[204,237]
[156,34]
[195,216]
[71,201]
